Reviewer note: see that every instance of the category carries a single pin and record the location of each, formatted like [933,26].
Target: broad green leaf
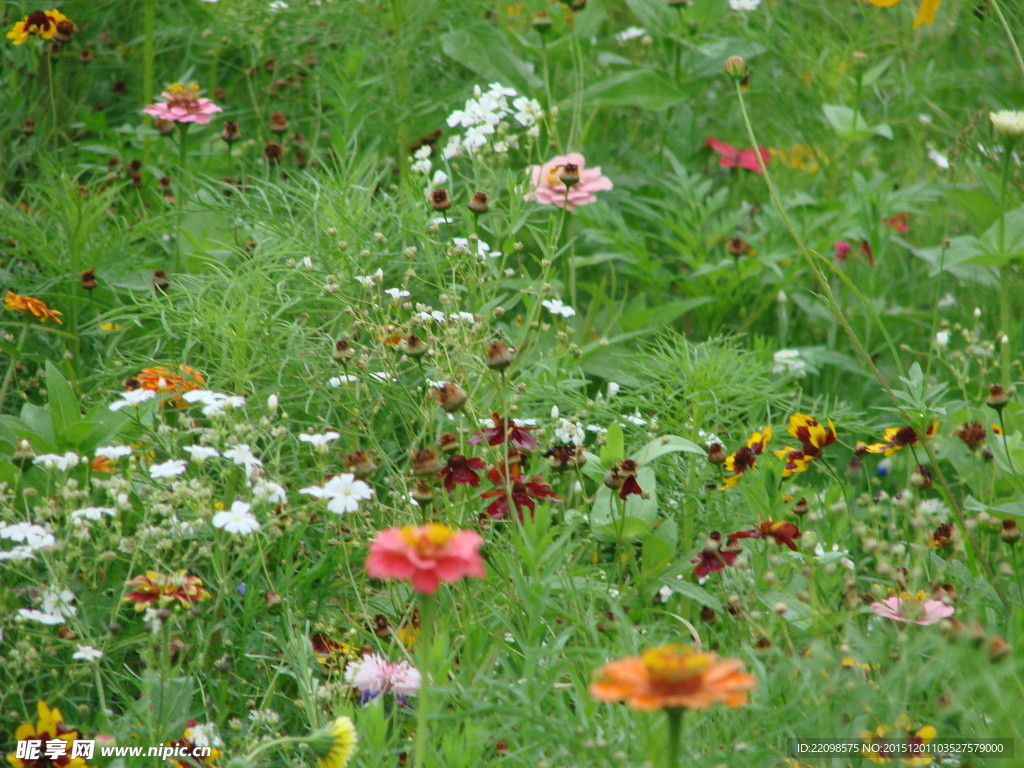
[667,444]
[662,315]
[613,451]
[659,546]
[65,412]
[695,593]
[640,88]
[849,124]
[483,50]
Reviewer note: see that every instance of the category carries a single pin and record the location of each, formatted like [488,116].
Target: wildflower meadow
[611,383]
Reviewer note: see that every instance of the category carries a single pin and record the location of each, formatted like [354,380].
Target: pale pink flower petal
[549,190]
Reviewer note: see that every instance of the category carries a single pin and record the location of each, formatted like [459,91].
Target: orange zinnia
[163,380]
[673,676]
[33,305]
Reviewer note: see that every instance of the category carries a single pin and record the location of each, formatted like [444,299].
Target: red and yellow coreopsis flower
[746,457]
[673,676]
[37,24]
[813,439]
[524,491]
[48,727]
[32,305]
[900,437]
[880,748]
[166,589]
[925,11]
[780,530]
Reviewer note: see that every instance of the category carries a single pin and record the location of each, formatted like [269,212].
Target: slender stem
[675,731]
[1009,34]
[1005,269]
[1006,448]
[9,374]
[425,649]
[837,312]
[148,57]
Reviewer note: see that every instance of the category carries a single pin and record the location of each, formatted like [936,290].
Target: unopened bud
[736,67]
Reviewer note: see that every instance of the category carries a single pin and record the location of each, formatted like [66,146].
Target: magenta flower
[913,609]
[549,189]
[183,105]
[426,555]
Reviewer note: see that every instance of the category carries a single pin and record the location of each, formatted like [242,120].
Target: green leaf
[661,315]
[708,58]
[65,412]
[613,451]
[166,703]
[849,124]
[484,50]
[695,593]
[640,88]
[659,546]
[659,446]
[1013,240]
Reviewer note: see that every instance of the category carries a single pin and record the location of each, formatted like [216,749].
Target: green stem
[837,312]
[1009,34]
[9,374]
[1006,448]
[675,732]
[1005,269]
[401,84]
[148,51]
[425,649]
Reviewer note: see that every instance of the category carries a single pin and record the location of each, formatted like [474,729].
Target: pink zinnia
[913,609]
[375,674]
[183,105]
[550,190]
[428,555]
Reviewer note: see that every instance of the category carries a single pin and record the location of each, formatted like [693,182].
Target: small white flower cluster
[29,538]
[214,403]
[490,119]
[52,461]
[744,5]
[788,361]
[633,33]
[556,307]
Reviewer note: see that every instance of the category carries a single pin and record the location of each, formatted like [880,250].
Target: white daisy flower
[171,468]
[319,442]
[132,398]
[87,653]
[238,520]
[344,493]
[200,453]
[373,279]
[41,617]
[92,513]
[113,451]
[242,456]
[556,307]
[397,293]
[59,602]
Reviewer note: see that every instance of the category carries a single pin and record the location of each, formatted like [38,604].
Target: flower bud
[716,453]
[278,123]
[997,397]
[440,200]
[736,68]
[360,464]
[1010,533]
[569,174]
[541,21]
[499,356]
[273,152]
[450,396]
[423,493]
[478,204]
[230,134]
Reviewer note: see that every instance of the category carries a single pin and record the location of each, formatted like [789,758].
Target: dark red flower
[523,492]
[737,158]
[865,246]
[714,560]
[506,430]
[899,223]
[459,471]
[781,531]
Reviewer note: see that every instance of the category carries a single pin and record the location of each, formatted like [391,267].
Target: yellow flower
[341,745]
[925,12]
[900,437]
[37,307]
[746,457]
[37,24]
[49,726]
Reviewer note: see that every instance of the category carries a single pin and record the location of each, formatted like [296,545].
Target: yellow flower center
[552,177]
[428,540]
[675,663]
